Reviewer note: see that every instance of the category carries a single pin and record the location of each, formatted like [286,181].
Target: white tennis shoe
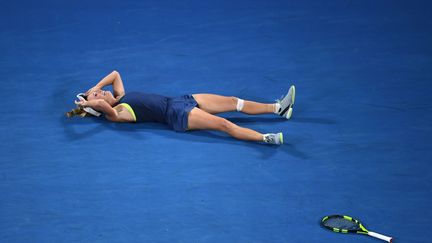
[286,103]
[273,138]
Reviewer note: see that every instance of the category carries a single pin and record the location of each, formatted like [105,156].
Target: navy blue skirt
[178,111]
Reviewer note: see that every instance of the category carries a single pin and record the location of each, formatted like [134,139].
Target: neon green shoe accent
[281,137]
[293,95]
[289,113]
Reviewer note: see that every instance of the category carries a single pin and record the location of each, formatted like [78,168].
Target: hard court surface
[358,143]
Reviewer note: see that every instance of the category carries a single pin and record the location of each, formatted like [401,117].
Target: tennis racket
[346,224]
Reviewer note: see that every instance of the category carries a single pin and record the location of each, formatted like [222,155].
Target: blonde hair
[79,111]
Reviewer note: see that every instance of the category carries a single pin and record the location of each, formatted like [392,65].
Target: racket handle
[380,236]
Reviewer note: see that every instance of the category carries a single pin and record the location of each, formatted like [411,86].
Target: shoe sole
[289,113]
[290,109]
[293,96]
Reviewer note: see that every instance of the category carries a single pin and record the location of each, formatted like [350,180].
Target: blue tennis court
[358,142]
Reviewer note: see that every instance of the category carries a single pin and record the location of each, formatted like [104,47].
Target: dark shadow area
[195,136]
[314,120]
[80,128]
[291,149]
[252,120]
[255,119]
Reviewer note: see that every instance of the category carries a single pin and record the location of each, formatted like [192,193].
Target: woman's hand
[94,89]
[113,79]
[81,103]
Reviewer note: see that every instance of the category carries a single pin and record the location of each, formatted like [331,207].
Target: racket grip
[380,236]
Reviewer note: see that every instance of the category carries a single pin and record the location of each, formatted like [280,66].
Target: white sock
[277,108]
[264,137]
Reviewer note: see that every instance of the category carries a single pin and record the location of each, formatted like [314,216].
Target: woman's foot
[286,104]
[273,138]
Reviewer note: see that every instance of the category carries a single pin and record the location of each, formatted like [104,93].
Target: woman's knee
[225,125]
[238,103]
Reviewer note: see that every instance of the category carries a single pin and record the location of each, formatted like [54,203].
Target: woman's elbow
[99,104]
[113,118]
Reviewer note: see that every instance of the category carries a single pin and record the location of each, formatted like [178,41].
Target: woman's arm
[101,106]
[113,79]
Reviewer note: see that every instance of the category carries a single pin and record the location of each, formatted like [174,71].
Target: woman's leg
[199,119]
[214,104]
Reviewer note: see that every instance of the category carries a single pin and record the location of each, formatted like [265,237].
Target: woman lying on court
[183,113]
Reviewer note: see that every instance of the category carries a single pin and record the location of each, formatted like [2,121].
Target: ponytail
[77,112]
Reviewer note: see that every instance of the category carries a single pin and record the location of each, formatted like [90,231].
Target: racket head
[343,224]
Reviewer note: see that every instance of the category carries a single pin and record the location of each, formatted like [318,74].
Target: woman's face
[100,94]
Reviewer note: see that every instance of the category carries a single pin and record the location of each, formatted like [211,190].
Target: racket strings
[341,223]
